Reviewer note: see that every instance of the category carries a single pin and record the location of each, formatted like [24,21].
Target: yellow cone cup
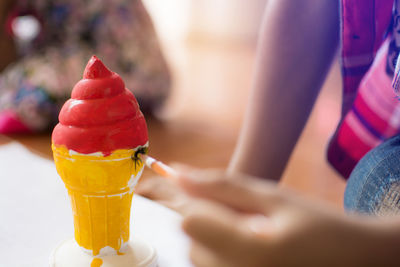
[101,189]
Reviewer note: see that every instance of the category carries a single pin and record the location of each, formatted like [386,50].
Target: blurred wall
[236,20]
[170,17]
[226,19]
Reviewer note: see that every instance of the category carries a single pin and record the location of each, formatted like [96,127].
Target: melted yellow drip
[96,262]
[101,190]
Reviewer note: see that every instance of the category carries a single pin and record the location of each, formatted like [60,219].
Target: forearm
[297,43]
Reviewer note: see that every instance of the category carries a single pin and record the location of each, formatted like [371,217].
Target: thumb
[244,193]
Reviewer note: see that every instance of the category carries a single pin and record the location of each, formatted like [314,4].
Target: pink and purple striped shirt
[370,37]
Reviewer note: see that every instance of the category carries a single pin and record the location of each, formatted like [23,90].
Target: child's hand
[240,221]
[165,193]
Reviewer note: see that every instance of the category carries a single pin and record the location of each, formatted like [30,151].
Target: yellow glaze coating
[101,190]
[96,262]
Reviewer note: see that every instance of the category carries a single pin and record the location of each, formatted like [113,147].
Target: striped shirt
[370,38]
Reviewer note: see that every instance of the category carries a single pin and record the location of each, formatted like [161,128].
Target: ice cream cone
[94,145]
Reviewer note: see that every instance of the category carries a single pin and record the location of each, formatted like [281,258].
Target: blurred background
[210,49]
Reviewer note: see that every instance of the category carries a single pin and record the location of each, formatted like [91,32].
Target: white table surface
[35,214]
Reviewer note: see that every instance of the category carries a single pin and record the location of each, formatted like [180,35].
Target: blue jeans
[374,185]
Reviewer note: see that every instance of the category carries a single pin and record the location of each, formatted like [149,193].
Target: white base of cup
[137,253]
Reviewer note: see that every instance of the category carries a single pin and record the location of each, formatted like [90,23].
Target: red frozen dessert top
[101,116]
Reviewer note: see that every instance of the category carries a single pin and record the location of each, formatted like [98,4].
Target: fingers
[217,227]
[206,220]
[150,187]
[239,192]
[165,193]
[232,237]
[203,257]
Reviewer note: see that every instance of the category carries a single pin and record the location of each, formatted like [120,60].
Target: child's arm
[298,41]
